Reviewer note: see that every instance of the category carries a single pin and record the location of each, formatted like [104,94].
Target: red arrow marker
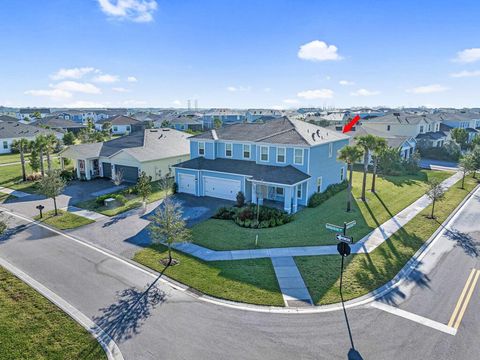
[351,124]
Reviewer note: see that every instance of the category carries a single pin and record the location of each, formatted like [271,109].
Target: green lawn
[393,194]
[64,220]
[31,327]
[366,272]
[9,158]
[134,201]
[249,281]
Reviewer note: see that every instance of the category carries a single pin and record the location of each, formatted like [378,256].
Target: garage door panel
[222,188]
[107,169]
[186,183]
[130,173]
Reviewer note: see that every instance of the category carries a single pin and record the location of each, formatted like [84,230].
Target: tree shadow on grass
[123,319]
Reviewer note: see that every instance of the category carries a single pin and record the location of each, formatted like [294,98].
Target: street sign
[351,224]
[345,239]
[343,249]
[333,227]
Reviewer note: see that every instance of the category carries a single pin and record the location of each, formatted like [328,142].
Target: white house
[121,125]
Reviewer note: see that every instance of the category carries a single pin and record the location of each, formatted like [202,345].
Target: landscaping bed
[126,200]
[366,272]
[394,193]
[64,220]
[31,327]
[246,216]
[249,281]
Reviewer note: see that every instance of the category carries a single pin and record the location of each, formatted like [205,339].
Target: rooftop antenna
[196,104]
[189,104]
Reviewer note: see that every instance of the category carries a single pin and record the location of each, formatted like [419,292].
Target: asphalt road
[170,324]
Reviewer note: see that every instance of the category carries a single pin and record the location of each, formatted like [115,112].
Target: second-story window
[421,129]
[246,151]
[298,157]
[201,148]
[388,127]
[263,153]
[281,155]
[228,150]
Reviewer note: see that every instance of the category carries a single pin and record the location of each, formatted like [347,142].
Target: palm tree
[367,143]
[40,144]
[22,146]
[350,155]
[50,145]
[380,146]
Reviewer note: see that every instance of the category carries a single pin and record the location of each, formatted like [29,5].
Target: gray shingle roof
[287,175]
[432,135]
[402,118]
[279,131]
[120,120]
[32,110]
[15,129]
[58,122]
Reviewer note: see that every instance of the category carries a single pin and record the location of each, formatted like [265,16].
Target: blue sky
[143,53]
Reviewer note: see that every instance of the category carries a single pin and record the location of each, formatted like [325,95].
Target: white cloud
[132,10]
[238,88]
[428,89]
[54,94]
[291,101]
[75,86]
[132,79]
[120,90]
[106,78]
[85,104]
[73,73]
[468,55]
[466,73]
[177,102]
[318,51]
[134,103]
[364,92]
[346,83]
[316,94]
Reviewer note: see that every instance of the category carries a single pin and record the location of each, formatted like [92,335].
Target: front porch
[280,196]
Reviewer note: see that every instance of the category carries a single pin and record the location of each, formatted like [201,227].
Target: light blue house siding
[226,119]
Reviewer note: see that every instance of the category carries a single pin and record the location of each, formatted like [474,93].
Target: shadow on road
[465,241]
[123,319]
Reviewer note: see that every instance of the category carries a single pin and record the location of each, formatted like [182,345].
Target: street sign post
[343,249]
[345,239]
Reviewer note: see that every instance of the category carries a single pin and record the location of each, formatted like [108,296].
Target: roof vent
[313,136]
[318,132]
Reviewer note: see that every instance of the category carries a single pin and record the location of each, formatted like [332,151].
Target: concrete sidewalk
[290,281]
[92,215]
[16,193]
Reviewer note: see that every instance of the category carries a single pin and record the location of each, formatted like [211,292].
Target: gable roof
[151,144]
[120,120]
[400,118]
[394,141]
[279,131]
[33,110]
[15,129]
[58,122]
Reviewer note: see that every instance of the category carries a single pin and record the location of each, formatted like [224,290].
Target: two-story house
[470,121]
[225,116]
[121,125]
[281,160]
[253,115]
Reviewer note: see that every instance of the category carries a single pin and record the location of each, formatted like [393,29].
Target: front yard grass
[366,272]
[394,193]
[31,327]
[64,220]
[249,281]
[133,202]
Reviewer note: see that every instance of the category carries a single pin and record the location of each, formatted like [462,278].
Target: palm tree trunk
[374,173]
[349,202]
[433,209]
[42,170]
[365,170]
[49,162]
[55,205]
[22,160]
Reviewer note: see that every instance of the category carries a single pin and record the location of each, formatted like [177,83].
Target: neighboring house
[424,128]
[226,116]
[181,122]
[58,123]
[282,160]
[153,151]
[253,114]
[11,130]
[470,121]
[121,125]
[28,113]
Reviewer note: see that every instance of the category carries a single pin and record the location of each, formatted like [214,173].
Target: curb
[106,342]
[362,300]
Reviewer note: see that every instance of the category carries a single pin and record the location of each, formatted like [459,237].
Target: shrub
[67,175]
[240,199]
[333,189]
[174,188]
[100,200]
[247,216]
[34,176]
[224,213]
[448,152]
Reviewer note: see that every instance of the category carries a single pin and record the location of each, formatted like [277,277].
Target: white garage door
[222,188]
[186,183]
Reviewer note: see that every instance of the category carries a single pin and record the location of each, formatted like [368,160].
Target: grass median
[64,220]
[31,327]
[366,272]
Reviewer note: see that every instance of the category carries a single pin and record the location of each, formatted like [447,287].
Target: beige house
[153,151]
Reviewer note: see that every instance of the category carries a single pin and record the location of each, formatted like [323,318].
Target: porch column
[295,202]
[287,203]
[77,169]
[254,193]
[62,163]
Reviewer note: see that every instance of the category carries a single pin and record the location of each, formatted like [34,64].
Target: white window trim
[204,148]
[249,151]
[284,155]
[268,153]
[294,156]
[299,186]
[231,150]
[330,150]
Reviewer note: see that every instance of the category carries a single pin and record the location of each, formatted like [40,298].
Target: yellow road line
[467,300]
[460,299]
